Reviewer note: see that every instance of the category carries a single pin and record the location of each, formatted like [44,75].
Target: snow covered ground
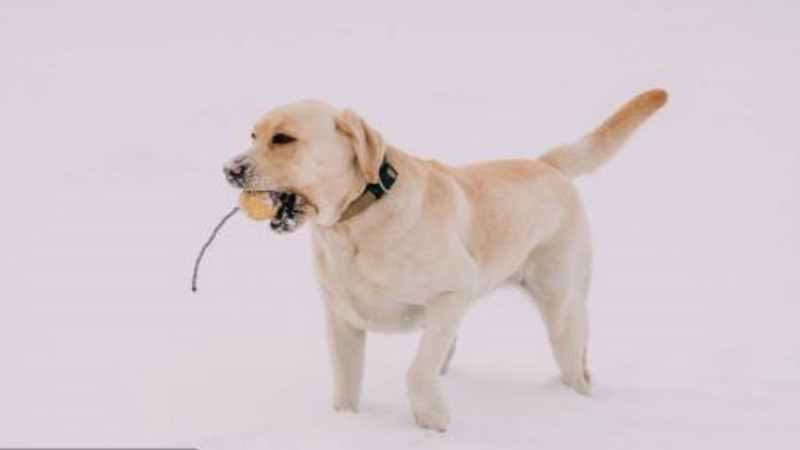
[115,123]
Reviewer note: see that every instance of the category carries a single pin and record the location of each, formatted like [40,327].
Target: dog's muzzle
[291,213]
[291,207]
[237,172]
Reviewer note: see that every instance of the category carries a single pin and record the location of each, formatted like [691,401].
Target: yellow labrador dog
[402,243]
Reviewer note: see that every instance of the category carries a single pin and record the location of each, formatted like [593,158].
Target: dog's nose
[236,172]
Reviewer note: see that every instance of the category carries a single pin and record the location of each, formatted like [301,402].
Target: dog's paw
[342,406]
[427,404]
[432,420]
[580,384]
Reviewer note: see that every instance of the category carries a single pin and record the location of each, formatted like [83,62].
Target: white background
[115,121]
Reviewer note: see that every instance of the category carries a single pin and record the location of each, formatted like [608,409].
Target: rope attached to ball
[208,242]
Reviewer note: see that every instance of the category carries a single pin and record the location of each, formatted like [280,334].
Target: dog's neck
[387,175]
[390,214]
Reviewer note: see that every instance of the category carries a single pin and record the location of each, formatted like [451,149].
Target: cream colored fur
[442,237]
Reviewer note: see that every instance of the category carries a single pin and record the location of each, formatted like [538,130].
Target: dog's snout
[236,172]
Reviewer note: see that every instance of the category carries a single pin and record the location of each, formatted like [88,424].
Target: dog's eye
[280,139]
[253,136]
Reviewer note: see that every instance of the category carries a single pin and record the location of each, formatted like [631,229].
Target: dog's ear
[367,143]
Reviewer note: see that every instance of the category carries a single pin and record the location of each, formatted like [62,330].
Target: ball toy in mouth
[285,210]
[257,205]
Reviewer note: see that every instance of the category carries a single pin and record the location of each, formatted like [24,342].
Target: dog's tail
[591,152]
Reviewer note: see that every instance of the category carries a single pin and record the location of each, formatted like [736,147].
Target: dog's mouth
[291,210]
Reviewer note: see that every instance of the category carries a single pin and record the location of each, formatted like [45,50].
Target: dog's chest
[376,288]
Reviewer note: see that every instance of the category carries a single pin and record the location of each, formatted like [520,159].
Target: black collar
[387,175]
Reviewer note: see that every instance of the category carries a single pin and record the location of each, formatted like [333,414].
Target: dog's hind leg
[558,278]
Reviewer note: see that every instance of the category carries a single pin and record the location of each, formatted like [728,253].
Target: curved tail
[594,149]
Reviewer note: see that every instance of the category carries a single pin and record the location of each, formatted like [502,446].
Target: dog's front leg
[346,345]
[442,318]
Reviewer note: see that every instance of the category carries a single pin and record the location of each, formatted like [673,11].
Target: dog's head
[310,149]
